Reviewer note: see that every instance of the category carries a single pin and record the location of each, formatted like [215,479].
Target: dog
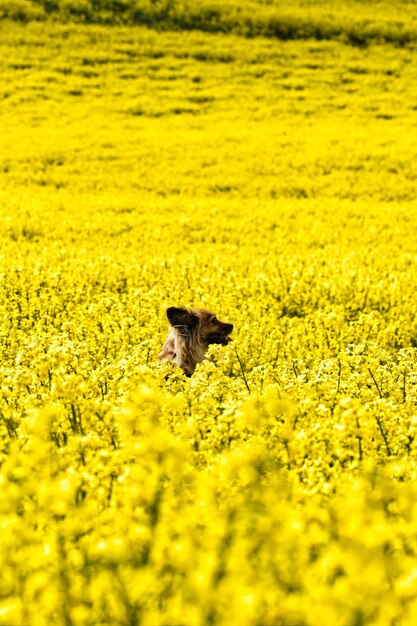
[192,332]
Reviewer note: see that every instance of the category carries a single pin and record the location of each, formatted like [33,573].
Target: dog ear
[181,317]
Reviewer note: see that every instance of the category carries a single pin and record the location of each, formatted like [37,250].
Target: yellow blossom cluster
[273,183]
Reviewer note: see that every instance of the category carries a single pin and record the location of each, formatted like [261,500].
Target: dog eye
[214,320]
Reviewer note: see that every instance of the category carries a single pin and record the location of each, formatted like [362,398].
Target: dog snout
[228,328]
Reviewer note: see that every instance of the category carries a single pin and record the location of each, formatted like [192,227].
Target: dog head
[199,325]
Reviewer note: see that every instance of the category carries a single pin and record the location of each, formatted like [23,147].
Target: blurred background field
[351,20]
[272,179]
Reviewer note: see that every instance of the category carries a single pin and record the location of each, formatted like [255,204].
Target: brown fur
[192,331]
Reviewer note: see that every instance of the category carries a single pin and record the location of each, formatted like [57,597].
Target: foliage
[356,22]
[273,182]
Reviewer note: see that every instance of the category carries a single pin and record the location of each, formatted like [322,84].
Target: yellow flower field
[273,182]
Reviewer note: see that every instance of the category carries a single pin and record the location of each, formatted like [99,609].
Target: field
[273,180]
